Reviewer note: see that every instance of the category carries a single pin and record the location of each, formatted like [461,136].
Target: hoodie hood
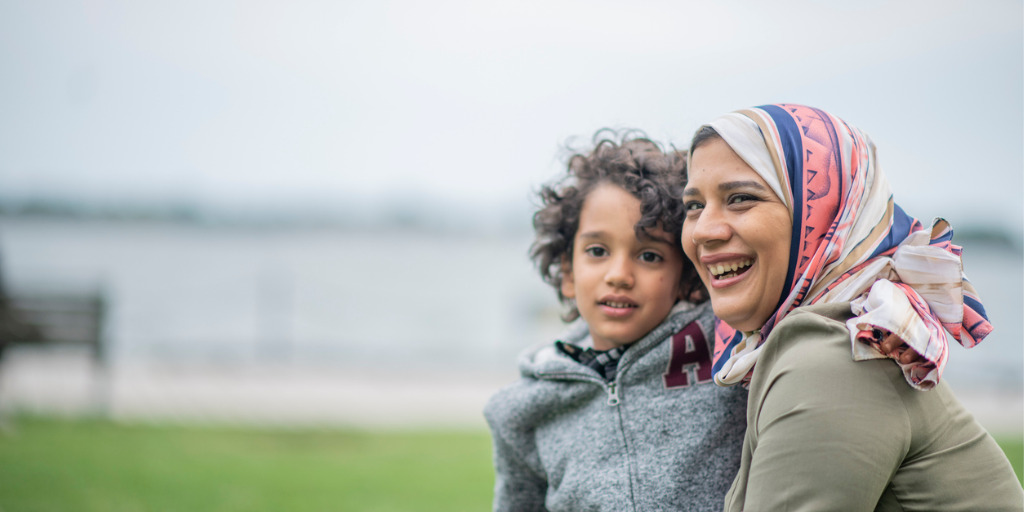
[546,361]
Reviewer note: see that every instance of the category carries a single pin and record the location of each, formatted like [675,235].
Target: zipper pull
[613,394]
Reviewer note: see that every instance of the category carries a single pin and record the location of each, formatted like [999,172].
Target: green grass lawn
[1013,446]
[101,466]
[61,465]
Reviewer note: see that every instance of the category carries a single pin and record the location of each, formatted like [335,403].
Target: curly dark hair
[629,160]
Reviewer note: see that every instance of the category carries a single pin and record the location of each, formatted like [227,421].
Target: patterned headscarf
[850,242]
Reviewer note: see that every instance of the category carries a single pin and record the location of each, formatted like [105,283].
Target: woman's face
[737,234]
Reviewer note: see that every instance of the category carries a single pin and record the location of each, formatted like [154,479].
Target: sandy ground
[55,383]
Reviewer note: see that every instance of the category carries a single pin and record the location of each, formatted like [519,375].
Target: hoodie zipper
[611,388]
[613,393]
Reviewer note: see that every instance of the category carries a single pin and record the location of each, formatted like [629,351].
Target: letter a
[689,350]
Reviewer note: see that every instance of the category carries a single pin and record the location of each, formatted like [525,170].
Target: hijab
[850,243]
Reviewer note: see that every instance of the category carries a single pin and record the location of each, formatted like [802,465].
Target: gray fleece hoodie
[660,436]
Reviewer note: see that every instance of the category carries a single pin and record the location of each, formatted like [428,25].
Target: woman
[815,274]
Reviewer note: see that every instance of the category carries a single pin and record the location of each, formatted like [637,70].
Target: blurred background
[318,213]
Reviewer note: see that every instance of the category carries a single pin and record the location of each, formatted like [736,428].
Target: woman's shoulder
[808,361]
[814,331]
[829,312]
[813,344]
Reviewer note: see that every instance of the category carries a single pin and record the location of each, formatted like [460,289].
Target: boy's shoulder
[544,370]
[519,401]
[686,313]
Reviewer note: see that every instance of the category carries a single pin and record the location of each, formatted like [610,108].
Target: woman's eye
[741,198]
[596,252]
[692,205]
[650,257]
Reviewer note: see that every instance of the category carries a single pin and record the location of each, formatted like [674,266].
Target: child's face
[624,286]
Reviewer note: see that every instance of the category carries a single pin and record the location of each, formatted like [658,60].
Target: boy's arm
[517,487]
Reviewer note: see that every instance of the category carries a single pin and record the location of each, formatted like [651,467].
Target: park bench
[59,318]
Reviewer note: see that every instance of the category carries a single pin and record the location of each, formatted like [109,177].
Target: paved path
[287,396]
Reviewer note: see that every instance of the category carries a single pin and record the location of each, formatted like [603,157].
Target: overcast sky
[469,102]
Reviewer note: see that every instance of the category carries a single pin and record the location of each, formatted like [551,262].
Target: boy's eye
[650,257]
[596,251]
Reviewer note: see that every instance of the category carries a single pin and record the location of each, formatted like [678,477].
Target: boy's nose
[620,273]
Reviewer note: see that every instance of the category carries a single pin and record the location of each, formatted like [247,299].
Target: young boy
[621,413]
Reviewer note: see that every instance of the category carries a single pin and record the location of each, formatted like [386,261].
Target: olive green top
[827,433]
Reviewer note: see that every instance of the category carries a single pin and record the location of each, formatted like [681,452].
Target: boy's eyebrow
[663,239]
[592,234]
[644,234]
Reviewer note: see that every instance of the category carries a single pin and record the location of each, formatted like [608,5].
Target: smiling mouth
[727,270]
[617,305]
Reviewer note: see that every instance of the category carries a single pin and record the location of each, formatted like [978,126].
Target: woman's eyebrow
[727,186]
[733,185]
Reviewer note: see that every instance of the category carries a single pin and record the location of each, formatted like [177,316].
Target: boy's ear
[568,283]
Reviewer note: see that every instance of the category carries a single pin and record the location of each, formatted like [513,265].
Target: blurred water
[305,296]
[997,272]
[323,297]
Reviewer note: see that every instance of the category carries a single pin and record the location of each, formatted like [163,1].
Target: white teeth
[719,269]
[618,304]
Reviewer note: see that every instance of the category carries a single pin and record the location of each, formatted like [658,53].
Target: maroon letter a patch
[689,353]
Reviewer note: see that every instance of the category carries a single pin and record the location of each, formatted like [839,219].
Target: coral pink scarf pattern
[850,242]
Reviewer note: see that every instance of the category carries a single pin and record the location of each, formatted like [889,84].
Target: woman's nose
[710,226]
